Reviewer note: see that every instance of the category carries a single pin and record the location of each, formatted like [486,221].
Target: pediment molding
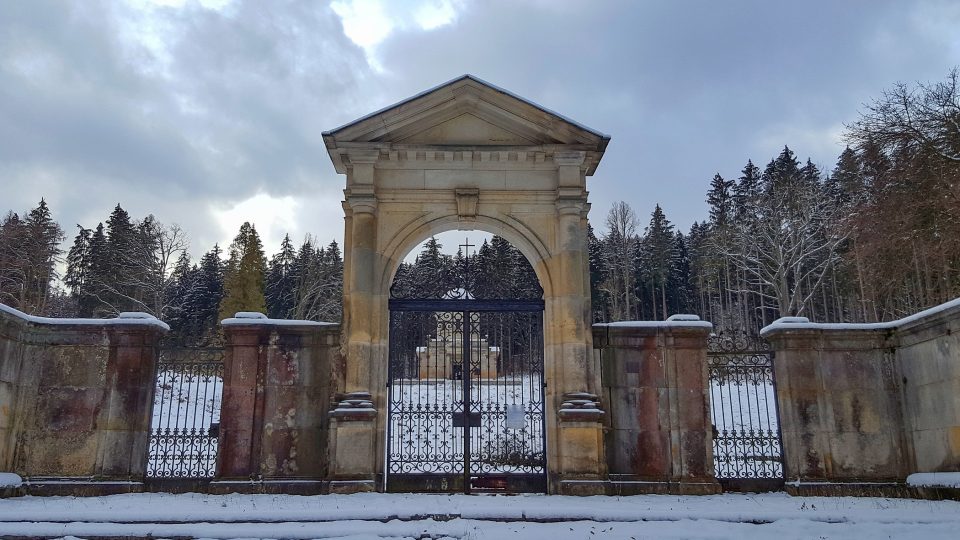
[466,114]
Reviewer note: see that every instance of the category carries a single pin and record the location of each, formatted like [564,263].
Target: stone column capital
[571,202]
[361,203]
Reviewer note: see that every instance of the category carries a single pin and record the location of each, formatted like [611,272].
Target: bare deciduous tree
[787,247]
[620,246]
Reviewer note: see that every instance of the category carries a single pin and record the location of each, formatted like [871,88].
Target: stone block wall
[865,405]
[279,380]
[75,400]
[928,363]
[839,398]
[656,397]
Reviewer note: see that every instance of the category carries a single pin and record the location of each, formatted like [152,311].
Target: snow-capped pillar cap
[135,315]
[791,320]
[683,317]
[249,315]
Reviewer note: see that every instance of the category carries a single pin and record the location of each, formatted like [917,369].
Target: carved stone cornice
[569,158]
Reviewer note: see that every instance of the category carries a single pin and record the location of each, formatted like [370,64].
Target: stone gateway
[467,155]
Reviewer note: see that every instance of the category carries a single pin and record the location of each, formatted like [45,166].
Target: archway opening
[466,264]
[466,377]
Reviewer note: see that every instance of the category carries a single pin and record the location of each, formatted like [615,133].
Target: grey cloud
[234,105]
[237,102]
[687,88]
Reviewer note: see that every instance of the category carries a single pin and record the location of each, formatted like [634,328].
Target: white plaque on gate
[516,418]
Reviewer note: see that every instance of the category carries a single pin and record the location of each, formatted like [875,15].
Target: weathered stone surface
[278,385]
[466,155]
[864,404]
[75,398]
[928,359]
[655,381]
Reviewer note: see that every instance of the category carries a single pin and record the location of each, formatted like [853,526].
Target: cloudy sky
[209,113]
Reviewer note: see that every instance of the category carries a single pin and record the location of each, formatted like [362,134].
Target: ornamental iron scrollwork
[746,426]
[184,430]
[466,394]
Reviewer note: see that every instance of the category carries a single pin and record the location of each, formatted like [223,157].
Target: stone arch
[465,155]
[400,245]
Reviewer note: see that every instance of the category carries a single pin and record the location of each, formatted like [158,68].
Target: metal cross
[466,245]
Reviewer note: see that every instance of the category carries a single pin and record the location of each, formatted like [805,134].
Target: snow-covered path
[368,516]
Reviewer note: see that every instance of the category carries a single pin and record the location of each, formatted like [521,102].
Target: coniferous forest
[874,238]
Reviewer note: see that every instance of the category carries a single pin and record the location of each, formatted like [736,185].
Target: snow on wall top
[803,323]
[125,318]
[673,321]
[242,318]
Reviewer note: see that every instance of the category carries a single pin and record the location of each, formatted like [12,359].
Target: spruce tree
[206,295]
[280,282]
[13,250]
[99,272]
[77,278]
[720,201]
[658,245]
[183,278]
[679,282]
[118,292]
[746,190]
[243,284]
[845,183]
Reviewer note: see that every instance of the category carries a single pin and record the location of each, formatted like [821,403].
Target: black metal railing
[743,403]
[186,413]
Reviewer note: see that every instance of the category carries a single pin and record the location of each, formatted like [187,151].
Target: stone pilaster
[353,432]
[655,379]
[580,462]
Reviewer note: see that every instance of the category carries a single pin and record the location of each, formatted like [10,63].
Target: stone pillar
[130,385]
[277,392]
[579,464]
[353,434]
[840,407]
[241,423]
[655,383]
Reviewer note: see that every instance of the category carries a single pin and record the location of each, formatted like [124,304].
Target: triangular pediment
[467,130]
[466,112]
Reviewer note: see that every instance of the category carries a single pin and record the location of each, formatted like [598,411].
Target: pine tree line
[29,252]
[497,270]
[130,265]
[876,239]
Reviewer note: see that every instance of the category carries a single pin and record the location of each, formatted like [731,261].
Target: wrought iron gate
[747,452]
[466,408]
[185,422]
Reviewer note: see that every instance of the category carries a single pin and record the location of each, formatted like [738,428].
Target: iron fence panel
[746,427]
[185,421]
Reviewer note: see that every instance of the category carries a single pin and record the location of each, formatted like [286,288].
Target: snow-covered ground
[370,516]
